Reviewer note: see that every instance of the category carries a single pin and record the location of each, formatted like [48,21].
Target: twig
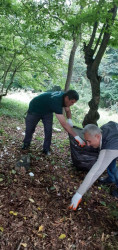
[19,246]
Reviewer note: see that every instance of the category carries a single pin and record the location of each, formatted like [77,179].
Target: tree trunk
[93,65]
[92,116]
[71,63]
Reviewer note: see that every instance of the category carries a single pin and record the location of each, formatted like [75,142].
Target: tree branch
[93,35]
[98,39]
[6,72]
[11,81]
[105,39]
[56,17]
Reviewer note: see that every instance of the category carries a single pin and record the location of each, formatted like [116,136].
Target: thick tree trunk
[92,116]
[92,73]
[93,63]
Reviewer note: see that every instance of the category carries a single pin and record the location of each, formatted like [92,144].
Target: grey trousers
[31,122]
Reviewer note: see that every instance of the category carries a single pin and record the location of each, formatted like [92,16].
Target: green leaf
[52,188]
[13,171]
[103,203]
[53,178]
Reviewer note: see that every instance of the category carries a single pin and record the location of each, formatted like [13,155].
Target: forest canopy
[59,43]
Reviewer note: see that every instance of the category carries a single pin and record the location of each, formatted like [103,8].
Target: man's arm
[69,116]
[65,125]
[68,128]
[98,168]
[68,112]
[106,156]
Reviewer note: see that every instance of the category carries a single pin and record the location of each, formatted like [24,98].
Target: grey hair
[91,129]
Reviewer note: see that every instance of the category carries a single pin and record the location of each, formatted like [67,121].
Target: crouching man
[107,139]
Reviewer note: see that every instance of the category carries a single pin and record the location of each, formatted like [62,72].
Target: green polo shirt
[46,103]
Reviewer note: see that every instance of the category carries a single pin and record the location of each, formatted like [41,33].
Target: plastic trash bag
[82,158]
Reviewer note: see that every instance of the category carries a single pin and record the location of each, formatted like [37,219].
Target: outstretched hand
[76,199]
[80,142]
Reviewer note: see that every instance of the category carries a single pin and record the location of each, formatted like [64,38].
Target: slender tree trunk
[71,63]
[11,81]
[6,72]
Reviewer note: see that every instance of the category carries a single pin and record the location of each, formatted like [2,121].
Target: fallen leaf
[14,213]
[103,203]
[41,228]
[42,235]
[103,237]
[31,200]
[62,236]
[1,229]
[24,244]
[13,171]
[52,188]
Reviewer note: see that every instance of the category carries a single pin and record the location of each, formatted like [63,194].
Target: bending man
[42,108]
[107,139]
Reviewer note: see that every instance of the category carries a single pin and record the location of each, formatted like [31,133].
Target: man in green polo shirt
[42,108]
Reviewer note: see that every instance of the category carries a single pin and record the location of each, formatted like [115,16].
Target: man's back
[46,103]
[110,135]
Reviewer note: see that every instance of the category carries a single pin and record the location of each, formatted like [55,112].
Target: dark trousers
[31,121]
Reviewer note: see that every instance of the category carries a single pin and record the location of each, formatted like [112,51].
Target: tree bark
[93,63]
[71,63]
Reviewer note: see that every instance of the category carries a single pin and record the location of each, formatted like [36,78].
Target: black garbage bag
[82,158]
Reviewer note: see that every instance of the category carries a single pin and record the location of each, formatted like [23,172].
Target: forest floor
[34,212]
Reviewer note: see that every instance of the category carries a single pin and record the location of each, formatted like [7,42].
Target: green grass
[113,208]
[12,108]
[2,131]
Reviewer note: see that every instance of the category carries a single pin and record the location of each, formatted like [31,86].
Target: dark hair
[72,94]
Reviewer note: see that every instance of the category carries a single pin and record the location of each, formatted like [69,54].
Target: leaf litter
[34,211]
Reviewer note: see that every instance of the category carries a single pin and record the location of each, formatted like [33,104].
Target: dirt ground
[34,212]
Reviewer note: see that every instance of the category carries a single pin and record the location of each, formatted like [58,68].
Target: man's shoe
[114,193]
[104,181]
[46,152]
[25,146]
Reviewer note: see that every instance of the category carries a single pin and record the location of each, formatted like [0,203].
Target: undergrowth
[12,108]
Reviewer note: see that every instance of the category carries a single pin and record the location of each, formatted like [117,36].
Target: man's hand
[69,121]
[76,199]
[80,141]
